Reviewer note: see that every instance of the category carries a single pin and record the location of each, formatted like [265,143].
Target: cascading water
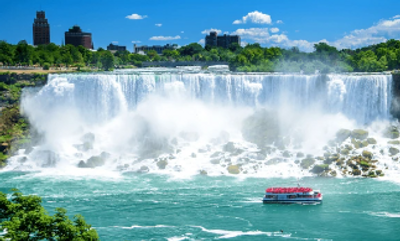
[189,122]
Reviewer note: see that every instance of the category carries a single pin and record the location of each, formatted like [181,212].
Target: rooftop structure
[76,37]
[41,29]
[112,47]
[224,41]
[158,48]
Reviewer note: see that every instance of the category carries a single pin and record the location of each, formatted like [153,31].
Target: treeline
[251,58]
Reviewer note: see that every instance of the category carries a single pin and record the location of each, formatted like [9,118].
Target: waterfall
[183,122]
[101,97]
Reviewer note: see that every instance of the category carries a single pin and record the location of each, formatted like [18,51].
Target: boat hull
[310,202]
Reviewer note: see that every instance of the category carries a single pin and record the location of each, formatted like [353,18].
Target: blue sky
[285,23]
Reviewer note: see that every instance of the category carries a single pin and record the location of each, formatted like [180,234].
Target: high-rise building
[112,47]
[41,29]
[221,41]
[76,37]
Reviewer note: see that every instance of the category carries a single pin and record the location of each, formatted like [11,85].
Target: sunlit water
[156,207]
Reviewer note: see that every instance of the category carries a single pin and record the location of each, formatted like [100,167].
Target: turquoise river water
[156,207]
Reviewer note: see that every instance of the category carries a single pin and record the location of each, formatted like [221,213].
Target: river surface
[157,207]
[126,150]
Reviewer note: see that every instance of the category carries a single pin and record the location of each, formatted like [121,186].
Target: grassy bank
[14,127]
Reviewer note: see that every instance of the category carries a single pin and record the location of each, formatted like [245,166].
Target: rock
[174,141]
[233,169]
[393,151]
[364,143]
[203,172]
[378,172]
[23,159]
[300,155]
[297,161]
[143,169]
[286,154]
[162,164]
[317,169]
[394,142]
[230,147]
[105,155]
[356,172]
[171,157]
[189,136]
[95,161]
[193,155]
[359,134]
[306,163]
[3,147]
[367,154]
[216,154]
[88,137]
[391,132]
[332,158]
[344,152]
[215,161]
[372,141]
[342,135]
[348,147]
[365,164]
[333,173]
[82,164]
[357,144]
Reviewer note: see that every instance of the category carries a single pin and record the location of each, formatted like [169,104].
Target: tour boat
[289,195]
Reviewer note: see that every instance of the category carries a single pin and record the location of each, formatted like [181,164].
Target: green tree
[24,219]
[107,60]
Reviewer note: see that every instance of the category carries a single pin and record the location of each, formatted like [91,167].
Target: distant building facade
[76,37]
[112,47]
[158,48]
[41,29]
[221,41]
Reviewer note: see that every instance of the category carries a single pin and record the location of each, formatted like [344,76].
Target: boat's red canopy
[288,189]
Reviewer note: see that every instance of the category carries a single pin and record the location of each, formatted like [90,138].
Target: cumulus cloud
[279,22]
[136,16]
[158,24]
[377,33]
[207,31]
[201,41]
[274,30]
[396,16]
[165,38]
[255,17]
[136,42]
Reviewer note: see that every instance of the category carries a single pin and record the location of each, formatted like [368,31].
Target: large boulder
[317,169]
[394,142]
[332,158]
[367,154]
[306,163]
[391,132]
[162,164]
[261,128]
[372,141]
[95,161]
[343,134]
[393,151]
[359,134]
[356,172]
[233,169]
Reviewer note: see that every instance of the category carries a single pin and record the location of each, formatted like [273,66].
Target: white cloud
[136,42]
[251,32]
[279,22]
[114,42]
[243,43]
[274,30]
[201,41]
[396,16]
[158,24]
[207,31]
[255,17]
[136,16]
[165,38]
